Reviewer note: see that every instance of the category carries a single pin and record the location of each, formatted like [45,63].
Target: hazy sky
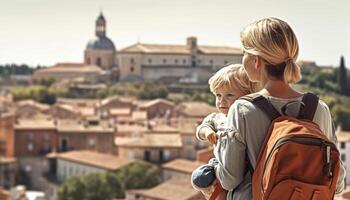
[47,31]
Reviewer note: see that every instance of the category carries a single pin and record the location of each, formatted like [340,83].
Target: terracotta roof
[35,124]
[100,160]
[70,67]
[182,165]
[89,102]
[154,102]
[179,49]
[33,103]
[151,141]
[196,109]
[219,50]
[118,99]
[173,189]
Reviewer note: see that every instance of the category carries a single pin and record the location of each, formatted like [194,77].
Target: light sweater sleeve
[230,150]
[208,121]
[324,119]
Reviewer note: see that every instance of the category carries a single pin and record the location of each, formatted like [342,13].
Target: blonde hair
[275,42]
[233,75]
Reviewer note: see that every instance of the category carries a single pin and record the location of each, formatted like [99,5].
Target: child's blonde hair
[232,75]
[275,42]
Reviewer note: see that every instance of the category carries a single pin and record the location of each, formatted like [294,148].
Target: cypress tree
[342,76]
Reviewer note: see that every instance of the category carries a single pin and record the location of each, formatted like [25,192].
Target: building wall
[7,142]
[66,169]
[159,110]
[107,58]
[344,150]
[156,66]
[101,142]
[154,154]
[130,64]
[34,142]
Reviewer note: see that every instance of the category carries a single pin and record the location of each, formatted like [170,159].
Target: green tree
[342,76]
[139,175]
[341,115]
[94,186]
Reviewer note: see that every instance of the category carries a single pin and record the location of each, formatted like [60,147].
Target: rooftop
[182,165]
[173,189]
[179,49]
[151,141]
[92,158]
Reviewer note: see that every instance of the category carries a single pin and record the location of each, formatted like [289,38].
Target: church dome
[100,43]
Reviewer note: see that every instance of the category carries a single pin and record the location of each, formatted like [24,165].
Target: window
[98,62]
[343,157]
[164,61]
[211,62]
[30,136]
[150,61]
[88,61]
[184,61]
[132,60]
[176,61]
[226,62]
[92,142]
[30,147]
[132,69]
[342,145]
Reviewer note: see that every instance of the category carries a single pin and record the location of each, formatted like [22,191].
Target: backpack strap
[262,103]
[308,107]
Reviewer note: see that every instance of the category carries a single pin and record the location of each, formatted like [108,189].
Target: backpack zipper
[301,140]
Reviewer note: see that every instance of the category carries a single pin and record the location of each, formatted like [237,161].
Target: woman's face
[250,65]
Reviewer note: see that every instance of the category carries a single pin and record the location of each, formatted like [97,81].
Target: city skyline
[40,33]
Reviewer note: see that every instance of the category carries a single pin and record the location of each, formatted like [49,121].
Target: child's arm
[207,130]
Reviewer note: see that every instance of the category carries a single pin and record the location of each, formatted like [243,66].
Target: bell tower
[100,26]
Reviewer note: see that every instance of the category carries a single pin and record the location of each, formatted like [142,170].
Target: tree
[139,175]
[94,186]
[342,76]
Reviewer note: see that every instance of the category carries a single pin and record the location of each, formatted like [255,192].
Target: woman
[270,53]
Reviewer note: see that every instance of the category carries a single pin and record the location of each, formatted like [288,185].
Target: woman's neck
[279,89]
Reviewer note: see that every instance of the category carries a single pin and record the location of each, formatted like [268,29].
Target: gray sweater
[247,127]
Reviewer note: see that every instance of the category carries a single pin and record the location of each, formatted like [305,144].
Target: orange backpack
[296,161]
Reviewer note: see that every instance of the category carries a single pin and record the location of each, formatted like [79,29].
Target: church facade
[190,62]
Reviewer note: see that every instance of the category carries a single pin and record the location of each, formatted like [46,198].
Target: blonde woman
[270,53]
[228,84]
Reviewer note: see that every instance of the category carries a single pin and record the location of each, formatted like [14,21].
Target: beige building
[74,163]
[186,63]
[155,148]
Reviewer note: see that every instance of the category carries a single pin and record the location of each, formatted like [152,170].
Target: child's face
[225,97]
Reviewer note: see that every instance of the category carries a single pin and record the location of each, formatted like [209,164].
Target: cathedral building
[190,62]
[187,63]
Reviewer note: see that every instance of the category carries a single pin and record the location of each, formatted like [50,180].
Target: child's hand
[211,137]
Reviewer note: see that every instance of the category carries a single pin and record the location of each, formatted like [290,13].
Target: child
[228,84]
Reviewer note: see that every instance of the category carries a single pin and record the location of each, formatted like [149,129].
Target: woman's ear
[257,62]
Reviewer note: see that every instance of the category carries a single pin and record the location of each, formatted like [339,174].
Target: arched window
[98,62]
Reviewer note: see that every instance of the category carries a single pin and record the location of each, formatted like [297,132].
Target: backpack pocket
[296,190]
